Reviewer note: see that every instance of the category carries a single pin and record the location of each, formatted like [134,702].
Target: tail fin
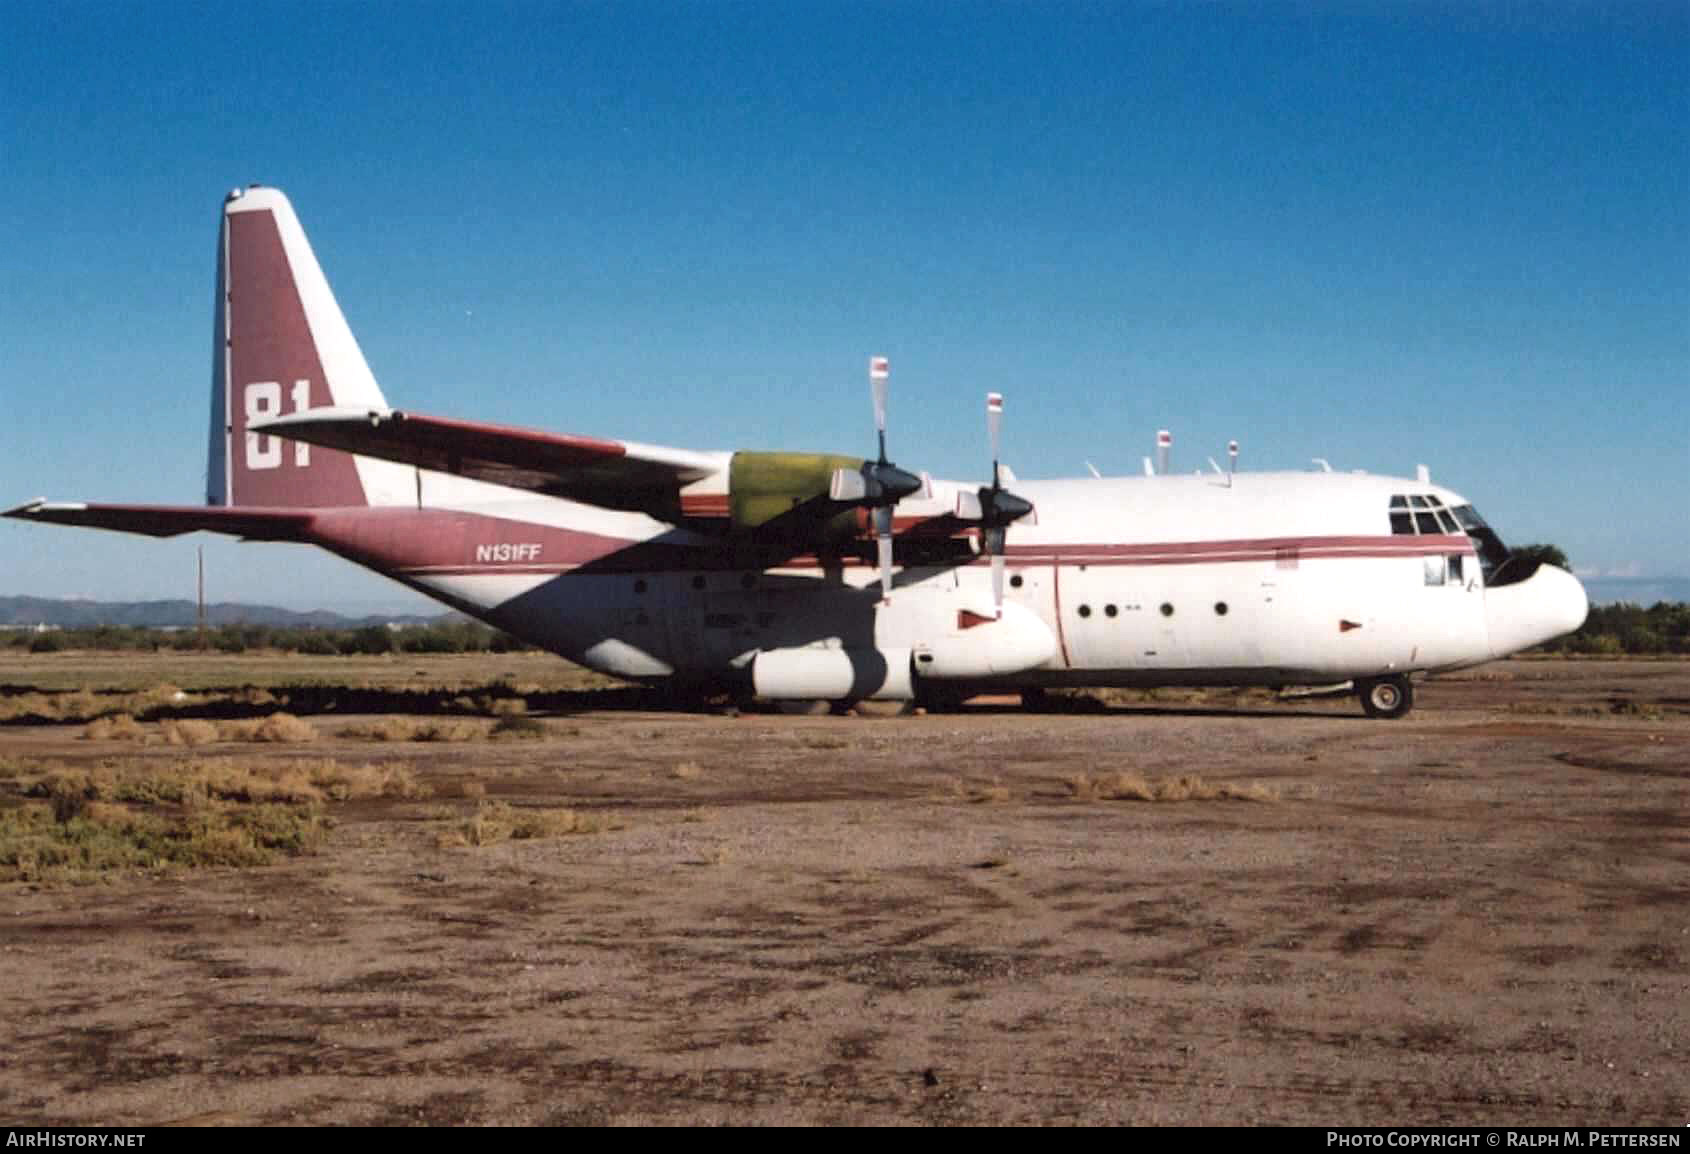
[282,346]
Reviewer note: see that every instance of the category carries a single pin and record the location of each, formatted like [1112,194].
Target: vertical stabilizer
[282,347]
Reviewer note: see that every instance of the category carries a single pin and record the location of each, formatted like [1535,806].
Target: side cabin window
[1435,570]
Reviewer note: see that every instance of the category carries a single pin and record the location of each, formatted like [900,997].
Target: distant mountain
[74,614]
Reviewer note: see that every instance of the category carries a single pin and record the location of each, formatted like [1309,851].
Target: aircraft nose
[1549,603]
[1567,604]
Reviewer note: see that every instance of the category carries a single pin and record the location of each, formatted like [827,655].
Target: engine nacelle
[763,488]
[985,645]
[832,674]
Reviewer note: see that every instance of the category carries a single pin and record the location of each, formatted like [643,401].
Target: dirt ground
[1479,914]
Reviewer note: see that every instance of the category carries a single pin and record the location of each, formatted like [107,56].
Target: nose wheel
[1387,697]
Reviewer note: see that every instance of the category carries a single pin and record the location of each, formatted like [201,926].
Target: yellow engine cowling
[771,493]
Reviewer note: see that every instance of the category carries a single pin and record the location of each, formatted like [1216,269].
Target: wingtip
[27,509]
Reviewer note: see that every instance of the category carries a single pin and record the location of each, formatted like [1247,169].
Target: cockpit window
[1492,552]
[1419,513]
[1469,517]
[1426,515]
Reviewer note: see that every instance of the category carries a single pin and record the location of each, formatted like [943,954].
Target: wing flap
[255,524]
[611,474]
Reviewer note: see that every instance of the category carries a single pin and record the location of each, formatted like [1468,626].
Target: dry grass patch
[120,727]
[41,843]
[80,825]
[517,727]
[188,732]
[279,728]
[276,728]
[354,782]
[411,729]
[78,705]
[490,704]
[1554,709]
[84,705]
[497,821]
[687,771]
[1129,786]
[192,782]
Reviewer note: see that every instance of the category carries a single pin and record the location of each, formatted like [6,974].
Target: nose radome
[1566,596]
[1546,605]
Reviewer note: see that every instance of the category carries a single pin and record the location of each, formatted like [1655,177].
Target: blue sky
[1380,234]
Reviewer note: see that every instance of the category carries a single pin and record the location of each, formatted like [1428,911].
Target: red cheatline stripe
[1170,553]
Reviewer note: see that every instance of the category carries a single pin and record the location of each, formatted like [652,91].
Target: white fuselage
[1262,578]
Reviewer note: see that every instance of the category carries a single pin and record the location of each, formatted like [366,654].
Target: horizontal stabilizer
[610,474]
[256,524]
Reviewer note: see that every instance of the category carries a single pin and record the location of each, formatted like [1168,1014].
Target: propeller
[993,506]
[879,484]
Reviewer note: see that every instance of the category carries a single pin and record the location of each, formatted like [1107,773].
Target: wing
[255,524]
[612,474]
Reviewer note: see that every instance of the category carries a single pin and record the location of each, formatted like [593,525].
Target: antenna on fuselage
[1231,461]
[1325,465]
[1164,443]
[1149,469]
[1422,474]
[1093,469]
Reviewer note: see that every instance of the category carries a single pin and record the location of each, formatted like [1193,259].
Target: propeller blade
[883,542]
[994,428]
[879,371]
[994,543]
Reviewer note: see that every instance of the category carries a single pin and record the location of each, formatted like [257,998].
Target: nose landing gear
[1387,697]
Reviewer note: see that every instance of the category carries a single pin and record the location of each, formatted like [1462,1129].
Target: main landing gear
[1387,697]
